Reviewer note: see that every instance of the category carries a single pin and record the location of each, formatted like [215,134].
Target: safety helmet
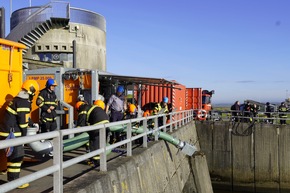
[120,89]
[31,86]
[79,104]
[100,103]
[132,108]
[50,82]
[165,100]
[146,114]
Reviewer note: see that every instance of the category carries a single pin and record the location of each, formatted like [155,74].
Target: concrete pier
[159,168]
[245,156]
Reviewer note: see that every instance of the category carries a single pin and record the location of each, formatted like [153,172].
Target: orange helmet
[132,108]
[79,104]
[146,114]
[31,86]
[100,103]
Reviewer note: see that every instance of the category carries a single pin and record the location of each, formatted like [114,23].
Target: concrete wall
[90,45]
[159,168]
[247,157]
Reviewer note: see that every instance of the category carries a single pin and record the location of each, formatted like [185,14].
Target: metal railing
[246,116]
[180,119]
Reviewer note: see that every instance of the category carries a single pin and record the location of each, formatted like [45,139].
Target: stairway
[34,27]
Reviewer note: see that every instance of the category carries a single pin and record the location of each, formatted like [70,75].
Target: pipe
[46,147]
[75,142]
[41,147]
[185,147]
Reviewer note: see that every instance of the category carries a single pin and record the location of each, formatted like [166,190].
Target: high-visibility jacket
[16,117]
[160,107]
[45,99]
[91,115]
[281,110]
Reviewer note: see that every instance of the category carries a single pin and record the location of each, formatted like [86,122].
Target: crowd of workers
[17,119]
[247,112]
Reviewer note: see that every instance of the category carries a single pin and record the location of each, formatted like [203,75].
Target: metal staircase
[32,28]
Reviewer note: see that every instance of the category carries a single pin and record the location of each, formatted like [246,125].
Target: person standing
[92,115]
[17,119]
[47,102]
[269,110]
[118,105]
[282,113]
[161,108]
[235,108]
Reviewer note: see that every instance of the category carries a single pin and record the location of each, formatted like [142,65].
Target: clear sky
[239,48]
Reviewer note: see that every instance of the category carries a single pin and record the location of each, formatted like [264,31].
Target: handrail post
[156,128]
[145,130]
[164,122]
[129,136]
[103,145]
[170,121]
[57,160]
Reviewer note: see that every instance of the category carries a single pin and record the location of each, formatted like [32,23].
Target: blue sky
[239,48]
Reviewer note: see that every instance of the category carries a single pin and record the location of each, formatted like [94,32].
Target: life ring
[201,115]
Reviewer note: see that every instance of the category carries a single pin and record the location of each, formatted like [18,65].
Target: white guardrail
[177,119]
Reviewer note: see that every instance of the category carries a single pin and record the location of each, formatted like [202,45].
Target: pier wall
[159,168]
[247,157]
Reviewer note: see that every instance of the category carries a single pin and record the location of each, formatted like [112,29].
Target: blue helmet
[165,100]
[50,82]
[120,89]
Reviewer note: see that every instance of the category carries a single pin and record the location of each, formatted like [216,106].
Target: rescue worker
[161,108]
[282,113]
[131,111]
[17,120]
[47,102]
[92,115]
[254,109]
[269,110]
[118,105]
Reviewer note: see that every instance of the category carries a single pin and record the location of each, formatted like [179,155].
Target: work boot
[23,186]
[94,163]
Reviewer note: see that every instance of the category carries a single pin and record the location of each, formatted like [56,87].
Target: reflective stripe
[100,122]
[41,98]
[41,104]
[11,110]
[96,157]
[83,112]
[12,170]
[16,164]
[16,134]
[49,119]
[23,125]
[49,103]
[23,109]
[89,112]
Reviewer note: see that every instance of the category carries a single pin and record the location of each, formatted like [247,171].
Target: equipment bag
[9,150]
